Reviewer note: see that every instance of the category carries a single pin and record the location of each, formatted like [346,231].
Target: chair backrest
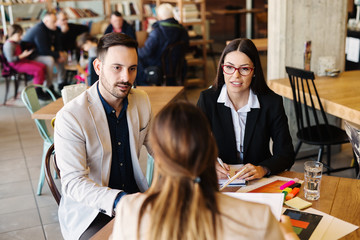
[70,92]
[306,100]
[354,137]
[173,63]
[6,69]
[31,101]
[50,160]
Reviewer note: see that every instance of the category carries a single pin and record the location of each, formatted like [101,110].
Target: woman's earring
[253,75]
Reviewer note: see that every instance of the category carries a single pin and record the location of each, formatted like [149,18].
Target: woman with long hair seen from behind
[183,201]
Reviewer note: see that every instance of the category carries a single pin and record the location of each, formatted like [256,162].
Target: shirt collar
[253,101]
[109,109]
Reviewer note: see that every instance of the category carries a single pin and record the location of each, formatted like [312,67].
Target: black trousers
[99,222]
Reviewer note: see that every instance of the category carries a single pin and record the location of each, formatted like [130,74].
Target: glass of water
[313,173]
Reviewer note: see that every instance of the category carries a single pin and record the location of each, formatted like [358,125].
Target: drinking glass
[313,173]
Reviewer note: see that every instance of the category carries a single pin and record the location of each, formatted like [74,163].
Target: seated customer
[88,43]
[165,32]
[244,114]
[184,201]
[69,32]
[19,61]
[119,25]
[48,48]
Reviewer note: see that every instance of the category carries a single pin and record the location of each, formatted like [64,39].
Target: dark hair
[84,37]
[14,28]
[116,13]
[183,193]
[258,84]
[114,39]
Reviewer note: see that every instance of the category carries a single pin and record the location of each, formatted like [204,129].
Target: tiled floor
[23,214]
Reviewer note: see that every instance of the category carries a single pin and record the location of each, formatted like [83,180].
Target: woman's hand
[221,172]
[286,228]
[252,172]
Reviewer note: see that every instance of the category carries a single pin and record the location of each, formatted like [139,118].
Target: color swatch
[303,223]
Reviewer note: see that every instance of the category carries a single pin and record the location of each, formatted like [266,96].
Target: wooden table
[339,197]
[159,97]
[340,95]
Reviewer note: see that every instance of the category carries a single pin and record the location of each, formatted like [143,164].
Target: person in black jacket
[165,31]
[244,114]
[48,48]
[119,25]
[69,32]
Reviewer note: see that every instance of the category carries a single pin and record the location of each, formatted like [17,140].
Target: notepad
[235,183]
[298,203]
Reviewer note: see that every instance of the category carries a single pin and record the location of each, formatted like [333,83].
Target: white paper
[335,227]
[353,48]
[274,200]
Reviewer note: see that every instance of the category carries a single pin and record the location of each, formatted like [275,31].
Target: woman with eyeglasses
[245,114]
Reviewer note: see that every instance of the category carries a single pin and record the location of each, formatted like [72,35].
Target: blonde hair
[164,11]
[182,197]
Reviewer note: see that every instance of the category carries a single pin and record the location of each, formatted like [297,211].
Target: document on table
[237,182]
[330,228]
[274,200]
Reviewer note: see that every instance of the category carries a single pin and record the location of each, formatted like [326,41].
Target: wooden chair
[313,128]
[8,74]
[354,137]
[50,160]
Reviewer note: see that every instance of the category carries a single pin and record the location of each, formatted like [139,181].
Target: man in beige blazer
[97,136]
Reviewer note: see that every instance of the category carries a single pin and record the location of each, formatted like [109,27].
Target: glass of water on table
[313,173]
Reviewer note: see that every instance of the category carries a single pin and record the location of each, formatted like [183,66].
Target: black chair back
[306,100]
[173,63]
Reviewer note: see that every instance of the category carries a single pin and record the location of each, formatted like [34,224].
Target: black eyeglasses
[244,71]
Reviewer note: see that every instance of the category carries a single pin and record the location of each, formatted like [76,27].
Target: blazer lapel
[226,121]
[99,120]
[251,120]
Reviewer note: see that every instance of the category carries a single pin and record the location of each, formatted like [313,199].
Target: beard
[113,89]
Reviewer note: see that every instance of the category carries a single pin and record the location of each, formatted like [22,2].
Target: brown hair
[84,37]
[258,84]
[14,28]
[182,195]
[114,39]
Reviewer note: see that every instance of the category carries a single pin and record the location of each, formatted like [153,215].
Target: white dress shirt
[239,116]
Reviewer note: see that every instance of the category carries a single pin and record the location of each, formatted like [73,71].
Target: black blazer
[269,121]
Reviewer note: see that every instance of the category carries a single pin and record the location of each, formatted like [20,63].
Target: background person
[69,33]
[88,43]
[244,114]
[48,48]
[18,59]
[119,25]
[165,31]
[98,137]
[183,201]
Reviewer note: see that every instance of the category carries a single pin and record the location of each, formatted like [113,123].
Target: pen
[233,178]
[222,165]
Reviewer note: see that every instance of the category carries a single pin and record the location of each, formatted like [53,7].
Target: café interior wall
[290,24]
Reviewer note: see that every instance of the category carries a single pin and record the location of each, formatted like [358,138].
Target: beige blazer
[83,152]
[240,219]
